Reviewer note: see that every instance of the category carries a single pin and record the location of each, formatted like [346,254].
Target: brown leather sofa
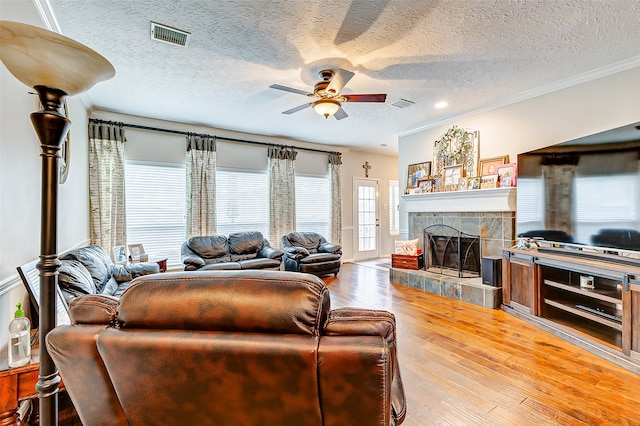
[228,348]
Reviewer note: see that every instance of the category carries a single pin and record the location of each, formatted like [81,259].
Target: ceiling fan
[326,96]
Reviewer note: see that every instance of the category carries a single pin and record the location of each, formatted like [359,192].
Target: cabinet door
[519,286]
[631,314]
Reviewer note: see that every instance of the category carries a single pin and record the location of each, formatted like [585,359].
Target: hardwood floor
[466,365]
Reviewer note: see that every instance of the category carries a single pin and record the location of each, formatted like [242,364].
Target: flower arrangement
[454,147]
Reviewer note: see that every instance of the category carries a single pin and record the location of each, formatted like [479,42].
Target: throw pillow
[409,247]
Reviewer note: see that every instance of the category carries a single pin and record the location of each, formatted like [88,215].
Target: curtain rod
[180,132]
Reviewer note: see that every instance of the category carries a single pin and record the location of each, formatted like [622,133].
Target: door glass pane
[367,214]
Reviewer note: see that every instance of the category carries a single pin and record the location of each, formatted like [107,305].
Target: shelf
[612,296]
[584,314]
[473,200]
[589,329]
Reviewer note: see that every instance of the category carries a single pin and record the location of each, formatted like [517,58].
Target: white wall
[20,176]
[563,115]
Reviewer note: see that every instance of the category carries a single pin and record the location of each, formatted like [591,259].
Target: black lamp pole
[51,127]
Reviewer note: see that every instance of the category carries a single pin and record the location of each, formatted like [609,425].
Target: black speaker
[492,271]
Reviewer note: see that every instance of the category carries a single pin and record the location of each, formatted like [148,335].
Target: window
[242,201]
[617,192]
[313,204]
[531,209]
[394,207]
[155,197]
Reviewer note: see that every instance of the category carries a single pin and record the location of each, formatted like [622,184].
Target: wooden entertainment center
[589,299]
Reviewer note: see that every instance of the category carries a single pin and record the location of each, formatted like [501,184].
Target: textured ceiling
[473,54]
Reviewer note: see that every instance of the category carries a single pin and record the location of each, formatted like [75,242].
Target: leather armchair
[311,253]
[228,348]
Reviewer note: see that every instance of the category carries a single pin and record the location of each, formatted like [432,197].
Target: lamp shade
[326,107]
[36,56]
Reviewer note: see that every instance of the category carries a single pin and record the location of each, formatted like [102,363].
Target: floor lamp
[55,66]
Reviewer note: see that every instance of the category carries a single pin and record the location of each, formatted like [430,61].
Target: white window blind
[313,204]
[619,193]
[394,208]
[155,197]
[242,201]
[531,203]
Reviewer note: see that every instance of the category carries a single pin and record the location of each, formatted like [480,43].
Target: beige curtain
[108,223]
[335,175]
[282,197]
[201,185]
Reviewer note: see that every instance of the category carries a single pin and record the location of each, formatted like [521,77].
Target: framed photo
[489,166]
[135,250]
[463,184]
[473,182]
[508,174]
[31,279]
[418,172]
[452,175]
[119,255]
[436,185]
[426,185]
[489,181]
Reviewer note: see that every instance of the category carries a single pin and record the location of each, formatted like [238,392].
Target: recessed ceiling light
[441,104]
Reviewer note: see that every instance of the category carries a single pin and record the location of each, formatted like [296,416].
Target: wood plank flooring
[462,364]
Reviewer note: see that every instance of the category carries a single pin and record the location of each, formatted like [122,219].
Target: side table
[162,263]
[19,384]
[16,385]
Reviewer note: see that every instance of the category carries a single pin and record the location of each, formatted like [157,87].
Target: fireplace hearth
[449,251]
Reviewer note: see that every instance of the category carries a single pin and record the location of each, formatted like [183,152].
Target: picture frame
[119,255]
[488,166]
[473,182]
[416,172]
[135,250]
[463,184]
[426,185]
[508,174]
[489,181]
[452,175]
[436,185]
[30,276]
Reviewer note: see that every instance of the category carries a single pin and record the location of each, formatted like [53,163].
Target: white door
[366,217]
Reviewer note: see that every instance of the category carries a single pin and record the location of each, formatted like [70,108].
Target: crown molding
[595,74]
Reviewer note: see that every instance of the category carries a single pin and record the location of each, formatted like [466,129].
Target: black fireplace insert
[449,251]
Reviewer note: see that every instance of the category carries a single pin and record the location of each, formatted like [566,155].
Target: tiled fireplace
[496,229]
[489,213]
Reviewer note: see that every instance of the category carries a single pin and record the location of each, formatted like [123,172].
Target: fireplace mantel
[476,200]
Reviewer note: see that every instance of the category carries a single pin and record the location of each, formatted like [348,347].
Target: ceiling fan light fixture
[326,107]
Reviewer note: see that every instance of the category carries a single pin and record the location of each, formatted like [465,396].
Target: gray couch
[240,250]
[89,270]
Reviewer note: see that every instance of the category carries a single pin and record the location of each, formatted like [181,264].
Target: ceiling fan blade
[381,97]
[289,89]
[340,114]
[339,80]
[296,109]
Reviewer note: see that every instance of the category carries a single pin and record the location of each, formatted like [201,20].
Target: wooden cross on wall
[366,168]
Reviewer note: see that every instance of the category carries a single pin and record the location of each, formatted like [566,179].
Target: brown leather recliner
[228,348]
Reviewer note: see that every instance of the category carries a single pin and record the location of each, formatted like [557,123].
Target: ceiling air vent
[402,103]
[169,35]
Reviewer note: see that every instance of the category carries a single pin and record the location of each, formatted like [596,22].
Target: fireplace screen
[449,251]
